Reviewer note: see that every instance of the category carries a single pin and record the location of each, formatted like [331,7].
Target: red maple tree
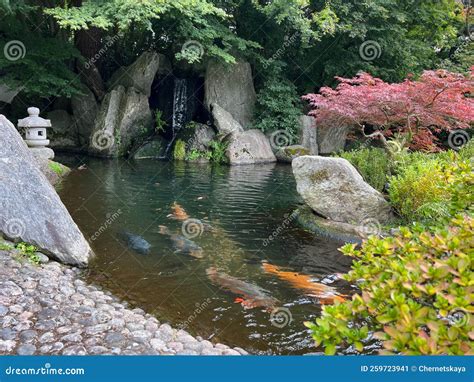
[417,110]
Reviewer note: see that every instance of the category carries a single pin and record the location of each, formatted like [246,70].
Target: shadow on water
[241,207]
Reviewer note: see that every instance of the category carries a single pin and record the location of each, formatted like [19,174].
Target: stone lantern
[35,133]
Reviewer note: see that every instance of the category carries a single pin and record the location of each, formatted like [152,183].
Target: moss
[297,151]
[319,176]
[179,152]
[58,168]
[307,219]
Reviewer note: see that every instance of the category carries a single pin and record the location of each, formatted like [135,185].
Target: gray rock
[224,122]
[62,134]
[28,335]
[6,346]
[26,349]
[31,210]
[124,117]
[332,139]
[231,87]
[309,134]
[42,153]
[84,111]
[3,310]
[333,188]
[115,339]
[201,138]
[151,149]
[46,338]
[8,334]
[249,147]
[42,258]
[142,72]
[288,153]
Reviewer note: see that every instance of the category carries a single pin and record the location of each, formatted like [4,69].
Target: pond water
[239,208]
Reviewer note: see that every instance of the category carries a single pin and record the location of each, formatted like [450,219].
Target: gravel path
[48,309]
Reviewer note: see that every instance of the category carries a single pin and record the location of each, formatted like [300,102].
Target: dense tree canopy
[308,42]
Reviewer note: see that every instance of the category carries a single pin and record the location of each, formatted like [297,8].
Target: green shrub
[431,188]
[416,294]
[372,163]
[196,154]
[179,152]
[160,123]
[218,152]
[278,107]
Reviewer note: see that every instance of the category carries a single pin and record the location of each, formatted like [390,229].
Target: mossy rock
[343,232]
[288,153]
[152,149]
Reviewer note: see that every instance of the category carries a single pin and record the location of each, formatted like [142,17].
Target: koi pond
[214,250]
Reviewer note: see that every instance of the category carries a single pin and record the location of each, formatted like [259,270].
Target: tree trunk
[89,43]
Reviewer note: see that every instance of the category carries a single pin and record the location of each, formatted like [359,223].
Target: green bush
[218,152]
[416,294]
[278,107]
[179,152]
[372,163]
[431,188]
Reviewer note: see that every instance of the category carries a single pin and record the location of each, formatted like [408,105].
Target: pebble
[26,349]
[49,310]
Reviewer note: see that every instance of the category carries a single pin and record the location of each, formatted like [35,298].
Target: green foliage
[372,163]
[196,154]
[179,152]
[58,168]
[278,107]
[160,123]
[416,294]
[4,246]
[28,252]
[432,188]
[37,62]
[218,152]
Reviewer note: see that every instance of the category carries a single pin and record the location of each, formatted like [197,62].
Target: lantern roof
[34,120]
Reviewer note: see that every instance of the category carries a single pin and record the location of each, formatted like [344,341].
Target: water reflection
[244,206]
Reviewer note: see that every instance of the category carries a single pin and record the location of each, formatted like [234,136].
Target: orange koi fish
[178,212]
[324,293]
[252,296]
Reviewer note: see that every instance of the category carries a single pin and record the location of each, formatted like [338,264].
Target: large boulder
[309,134]
[62,134]
[153,149]
[141,73]
[30,209]
[123,118]
[201,138]
[249,147]
[333,188]
[224,121]
[288,153]
[231,87]
[332,139]
[84,109]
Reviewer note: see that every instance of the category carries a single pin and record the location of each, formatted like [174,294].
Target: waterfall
[180,109]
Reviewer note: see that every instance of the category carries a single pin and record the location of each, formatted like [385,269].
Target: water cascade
[180,109]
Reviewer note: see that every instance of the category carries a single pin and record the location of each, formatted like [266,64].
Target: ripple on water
[245,205]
